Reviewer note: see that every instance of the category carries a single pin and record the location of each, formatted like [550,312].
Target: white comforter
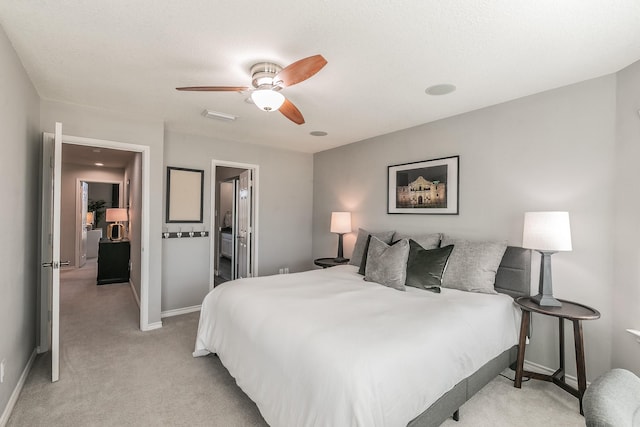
[326,348]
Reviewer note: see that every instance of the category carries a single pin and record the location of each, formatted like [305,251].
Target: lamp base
[546,301]
[545,290]
[340,257]
[115,232]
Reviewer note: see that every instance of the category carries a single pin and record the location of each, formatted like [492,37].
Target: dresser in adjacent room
[113,261]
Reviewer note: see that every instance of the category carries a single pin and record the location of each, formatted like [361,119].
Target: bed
[325,348]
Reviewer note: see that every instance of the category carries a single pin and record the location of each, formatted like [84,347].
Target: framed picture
[426,187]
[184,194]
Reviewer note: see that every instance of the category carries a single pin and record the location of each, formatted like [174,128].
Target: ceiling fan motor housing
[263,73]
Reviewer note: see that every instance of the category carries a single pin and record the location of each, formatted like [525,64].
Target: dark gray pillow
[363,263]
[472,265]
[361,242]
[425,267]
[427,241]
[386,264]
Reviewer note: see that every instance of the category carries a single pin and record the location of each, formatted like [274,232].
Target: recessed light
[318,133]
[99,164]
[441,89]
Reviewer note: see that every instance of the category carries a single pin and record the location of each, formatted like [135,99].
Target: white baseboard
[135,294]
[4,419]
[534,367]
[180,311]
[152,326]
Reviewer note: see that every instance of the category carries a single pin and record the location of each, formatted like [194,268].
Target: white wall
[285,206]
[20,195]
[626,281]
[68,226]
[551,151]
[113,126]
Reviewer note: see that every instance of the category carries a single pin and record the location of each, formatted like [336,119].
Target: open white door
[243,248]
[84,202]
[50,247]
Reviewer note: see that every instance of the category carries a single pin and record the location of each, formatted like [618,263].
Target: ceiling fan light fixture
[267,99]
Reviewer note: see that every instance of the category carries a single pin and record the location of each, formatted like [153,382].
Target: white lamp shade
[547,231]
[116,215]
[341,222]
[90,217]
[267,99]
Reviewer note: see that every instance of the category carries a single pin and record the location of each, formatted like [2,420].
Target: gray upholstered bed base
[514,279]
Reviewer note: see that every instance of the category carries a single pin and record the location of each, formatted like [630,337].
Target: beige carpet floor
[114,375]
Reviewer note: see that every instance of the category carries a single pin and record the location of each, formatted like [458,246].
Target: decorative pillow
[386,264]
[363,263]
[473,265]
[425,267]
[361,241]
[427,241]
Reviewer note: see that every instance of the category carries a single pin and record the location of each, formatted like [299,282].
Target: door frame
[79,207]
[144,213]
[254,213]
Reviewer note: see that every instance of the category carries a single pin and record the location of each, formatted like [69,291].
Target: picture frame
[425,187]
[184,195]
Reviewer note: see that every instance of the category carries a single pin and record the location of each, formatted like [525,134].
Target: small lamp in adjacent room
[547,233]
[90,219]
[340,224]
[117,216]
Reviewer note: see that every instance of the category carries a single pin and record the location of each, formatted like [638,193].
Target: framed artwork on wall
[425,187]
[184,194]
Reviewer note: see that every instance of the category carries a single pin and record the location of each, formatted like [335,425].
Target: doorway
[48,295]
[234,202]
[93,198]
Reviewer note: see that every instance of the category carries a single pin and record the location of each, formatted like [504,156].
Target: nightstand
[571,311]
[328,262]
[113,261]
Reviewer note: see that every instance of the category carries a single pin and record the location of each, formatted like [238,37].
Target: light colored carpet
[114,375]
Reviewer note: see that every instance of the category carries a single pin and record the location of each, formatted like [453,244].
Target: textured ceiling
[130,55]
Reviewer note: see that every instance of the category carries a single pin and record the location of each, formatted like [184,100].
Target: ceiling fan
[268,79]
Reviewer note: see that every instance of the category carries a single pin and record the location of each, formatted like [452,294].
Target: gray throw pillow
[427,241]
[425,267]
[361,242]
[386,264]
[473,265]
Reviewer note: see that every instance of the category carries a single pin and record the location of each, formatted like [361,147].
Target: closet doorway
[234,203]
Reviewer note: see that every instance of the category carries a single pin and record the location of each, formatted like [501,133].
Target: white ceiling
[129,56]
[89,156]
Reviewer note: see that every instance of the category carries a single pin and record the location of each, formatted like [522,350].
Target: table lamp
[547,233]
[90,219]
[340,224]
[117,216]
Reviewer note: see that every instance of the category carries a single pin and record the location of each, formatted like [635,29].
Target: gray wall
[285,206]
[113,126]
[20,195]
[550,151]
[626,281]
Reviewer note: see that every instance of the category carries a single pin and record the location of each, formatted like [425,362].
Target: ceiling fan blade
[214,88]
[291,112]
[300,70]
